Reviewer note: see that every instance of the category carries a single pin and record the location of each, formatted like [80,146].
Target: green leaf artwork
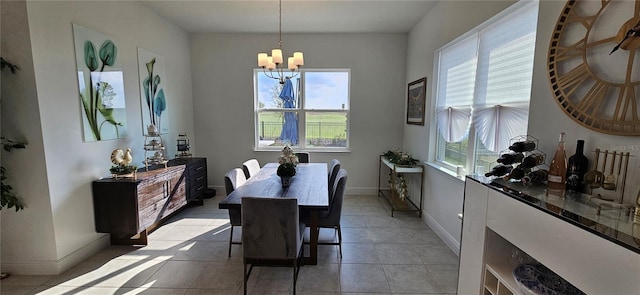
[101,86]
[153,95]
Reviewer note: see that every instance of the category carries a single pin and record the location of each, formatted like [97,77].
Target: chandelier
[273,66]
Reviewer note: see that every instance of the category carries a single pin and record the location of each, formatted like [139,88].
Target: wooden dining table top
[309,186]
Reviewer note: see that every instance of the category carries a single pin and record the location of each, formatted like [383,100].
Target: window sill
[445,171]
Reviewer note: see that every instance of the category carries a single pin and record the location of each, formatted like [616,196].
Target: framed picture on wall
[416,101]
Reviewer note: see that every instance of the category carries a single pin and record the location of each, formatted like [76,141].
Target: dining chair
[250,168]
[272,235]
[331,218]
[233,179]
[333,172]
[303,157]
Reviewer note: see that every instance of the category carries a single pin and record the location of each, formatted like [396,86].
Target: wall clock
[594,64]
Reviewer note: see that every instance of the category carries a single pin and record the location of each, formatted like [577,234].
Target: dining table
[309,186]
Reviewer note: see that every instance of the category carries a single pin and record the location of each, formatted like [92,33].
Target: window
[316,118]
[483,89]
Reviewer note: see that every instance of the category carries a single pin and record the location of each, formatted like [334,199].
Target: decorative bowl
[536,279]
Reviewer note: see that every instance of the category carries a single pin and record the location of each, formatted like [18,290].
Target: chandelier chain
[280,25]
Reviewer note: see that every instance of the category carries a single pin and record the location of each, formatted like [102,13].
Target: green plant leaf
[145,85]
[90,56]
[156,82]
[160,104]
[108,52]
[5,64]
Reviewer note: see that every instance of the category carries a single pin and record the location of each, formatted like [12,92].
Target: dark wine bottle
[536,177]
[508,159]
[516,173]
[576,169]
[532,160]
[499,170]
[523,146]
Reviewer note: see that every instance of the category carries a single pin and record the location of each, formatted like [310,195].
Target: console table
[597,252]
[390,194]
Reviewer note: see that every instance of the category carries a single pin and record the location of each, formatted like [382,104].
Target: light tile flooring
[188,255]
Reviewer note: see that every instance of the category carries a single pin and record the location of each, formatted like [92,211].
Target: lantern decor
[183,146]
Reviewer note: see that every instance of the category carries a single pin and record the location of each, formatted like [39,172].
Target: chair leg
[230,241]
[295,275]
[246,277]
[340,240]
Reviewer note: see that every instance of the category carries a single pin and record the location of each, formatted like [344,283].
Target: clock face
[594,64]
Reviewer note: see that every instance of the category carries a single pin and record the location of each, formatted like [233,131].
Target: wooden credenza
[128,208]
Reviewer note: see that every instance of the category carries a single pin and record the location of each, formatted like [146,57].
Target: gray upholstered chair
[303,157]
[271,234]
[331,218]
[233,179]
[250,168]
[333,172]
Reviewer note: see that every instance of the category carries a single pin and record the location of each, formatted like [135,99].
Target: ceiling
[298,16]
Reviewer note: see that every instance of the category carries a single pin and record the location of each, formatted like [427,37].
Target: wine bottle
[576,169]
[523,146]
[508,159]
[558,168]
[532,160]
[536,177]
[499,170]
[516,173]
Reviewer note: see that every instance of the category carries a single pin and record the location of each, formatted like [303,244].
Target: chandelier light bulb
[273,66]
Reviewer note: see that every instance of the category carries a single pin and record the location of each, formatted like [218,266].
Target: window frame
[302,112]
[438,148]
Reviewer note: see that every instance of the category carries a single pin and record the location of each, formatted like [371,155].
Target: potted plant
[9,199]
[287,169]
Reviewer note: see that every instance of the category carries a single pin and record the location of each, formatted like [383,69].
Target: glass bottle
[508,159]
[532,160]
[499,170]
[576,169]
[558,168]
[516,173]
[536,177]
[523,146]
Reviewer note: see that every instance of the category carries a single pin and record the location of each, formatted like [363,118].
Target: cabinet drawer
[197,166]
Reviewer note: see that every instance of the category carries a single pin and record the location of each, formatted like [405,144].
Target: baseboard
[449,240]
[56,267]
[361,191]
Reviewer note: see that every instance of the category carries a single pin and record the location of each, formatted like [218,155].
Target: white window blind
[484,80]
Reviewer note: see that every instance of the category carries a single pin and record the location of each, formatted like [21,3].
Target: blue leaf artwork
[151,69]
[100,85]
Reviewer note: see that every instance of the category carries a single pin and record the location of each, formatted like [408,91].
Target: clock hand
[635,31]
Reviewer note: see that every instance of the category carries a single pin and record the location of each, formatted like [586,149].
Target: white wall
[223,97]
[443,192]
[56,230]
[445,22]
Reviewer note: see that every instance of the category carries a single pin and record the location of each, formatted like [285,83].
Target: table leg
[313,239]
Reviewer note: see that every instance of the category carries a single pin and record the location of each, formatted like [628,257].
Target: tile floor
[188,255]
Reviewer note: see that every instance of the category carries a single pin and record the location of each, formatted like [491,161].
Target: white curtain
[456,83]
[485,79]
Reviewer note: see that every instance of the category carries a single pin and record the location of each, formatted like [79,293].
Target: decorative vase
[286,181]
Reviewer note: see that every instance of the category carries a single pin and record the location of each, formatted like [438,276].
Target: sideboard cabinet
[129,208]
[597,252]
[196,177]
